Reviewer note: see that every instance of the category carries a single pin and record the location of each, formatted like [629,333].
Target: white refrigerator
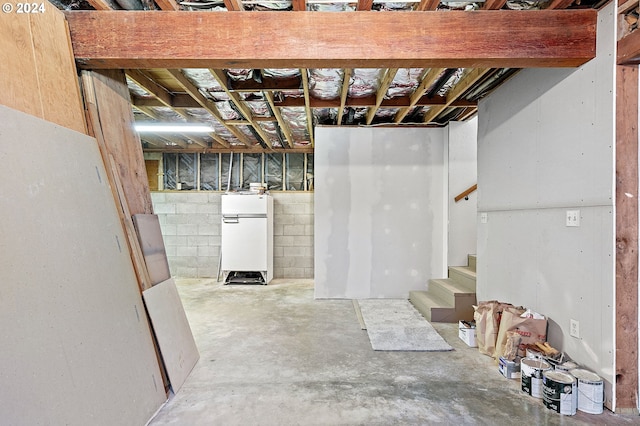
[247,235]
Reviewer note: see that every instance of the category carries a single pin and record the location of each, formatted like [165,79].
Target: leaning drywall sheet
[152,244]
[170,324]
[76,344]
[380,211]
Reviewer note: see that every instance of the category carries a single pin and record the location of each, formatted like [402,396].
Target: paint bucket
[566,366]
[531,376]
[590,391]
[560,392]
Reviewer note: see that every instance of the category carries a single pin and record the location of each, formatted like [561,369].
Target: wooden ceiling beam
[221,77]
[458,90]
[299,5]
[178,100]
[428,5]
[426,82]
[629,49]
[364,5]
[281,122]
[399,102]
[382,90]
[192,90]
[559,4]
[491,39]
[268,83]
[233,5]
[344,94]
[167,4]
[307,104]
[103,4]
[493,4]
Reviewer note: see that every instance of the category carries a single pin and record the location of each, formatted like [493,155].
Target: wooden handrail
[466,192]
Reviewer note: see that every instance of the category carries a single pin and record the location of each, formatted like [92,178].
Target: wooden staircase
[449,299]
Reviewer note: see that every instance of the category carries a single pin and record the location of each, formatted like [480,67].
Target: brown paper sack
[530,330]
[487,317]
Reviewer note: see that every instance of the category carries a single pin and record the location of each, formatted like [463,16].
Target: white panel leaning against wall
[210,172]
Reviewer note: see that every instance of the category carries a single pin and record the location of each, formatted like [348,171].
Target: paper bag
[531,330]
[487,317]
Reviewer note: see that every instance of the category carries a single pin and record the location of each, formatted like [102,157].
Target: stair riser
[442,292]
[472,261]
[468,282]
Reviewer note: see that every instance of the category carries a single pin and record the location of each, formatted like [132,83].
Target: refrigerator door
[245,244]
[244,204]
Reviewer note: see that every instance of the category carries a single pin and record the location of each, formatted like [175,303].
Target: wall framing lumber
[518,39]
[39,75]
[626,388]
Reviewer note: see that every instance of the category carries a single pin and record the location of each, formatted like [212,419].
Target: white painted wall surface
[545,145]
[380,211]
[462,154]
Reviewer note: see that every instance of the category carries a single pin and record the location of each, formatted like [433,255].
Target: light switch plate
[573,217]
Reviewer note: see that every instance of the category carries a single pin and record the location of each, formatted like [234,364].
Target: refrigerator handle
[230,219]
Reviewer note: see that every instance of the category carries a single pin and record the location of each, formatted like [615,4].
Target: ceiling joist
[491,39]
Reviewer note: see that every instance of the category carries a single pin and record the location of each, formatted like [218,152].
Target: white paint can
[560,392]
[531,376]
[566,366]
[590,391]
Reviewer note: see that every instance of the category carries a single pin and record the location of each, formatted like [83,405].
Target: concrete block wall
[190,223]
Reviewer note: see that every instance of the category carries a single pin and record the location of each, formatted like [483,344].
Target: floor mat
[395,325]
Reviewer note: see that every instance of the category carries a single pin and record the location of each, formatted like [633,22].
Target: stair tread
[453,286]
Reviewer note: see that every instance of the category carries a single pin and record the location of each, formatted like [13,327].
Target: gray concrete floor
[272,355]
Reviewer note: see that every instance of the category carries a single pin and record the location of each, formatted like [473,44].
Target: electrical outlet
[573,217]
[574,328]
[484,217]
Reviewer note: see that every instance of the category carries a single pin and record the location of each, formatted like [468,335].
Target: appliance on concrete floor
[247,238]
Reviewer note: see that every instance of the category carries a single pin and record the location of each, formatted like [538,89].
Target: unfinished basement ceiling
[272,109]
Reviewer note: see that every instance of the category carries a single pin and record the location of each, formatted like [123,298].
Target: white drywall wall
[462,154]
[380,211]
[545,145]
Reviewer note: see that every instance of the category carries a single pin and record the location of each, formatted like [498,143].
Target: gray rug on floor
[395,325]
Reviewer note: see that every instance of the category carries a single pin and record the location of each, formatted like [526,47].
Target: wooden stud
[299,5]
[233,5]
[307,107]
[626,211]
[493,4]
[427,81]
[344,93]
[428,5]
[283,124]
[384,86]
[364,5]
[458,90]
[167,4]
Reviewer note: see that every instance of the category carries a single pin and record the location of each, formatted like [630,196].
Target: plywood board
[77,345]
[152,244]
[38,68]
[170,324]
[108,91]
